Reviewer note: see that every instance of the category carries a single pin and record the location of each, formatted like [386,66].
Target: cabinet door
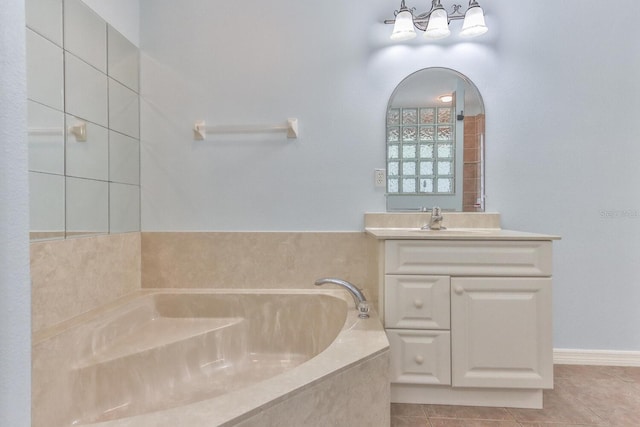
[420,357]
[501,332]
[416,302]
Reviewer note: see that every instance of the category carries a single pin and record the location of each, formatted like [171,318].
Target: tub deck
[158,333]
[196,358]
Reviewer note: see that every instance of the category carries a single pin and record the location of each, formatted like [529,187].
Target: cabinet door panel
[501,332]
[420,357]
[417,302]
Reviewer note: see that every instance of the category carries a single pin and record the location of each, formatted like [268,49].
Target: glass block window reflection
[421,150]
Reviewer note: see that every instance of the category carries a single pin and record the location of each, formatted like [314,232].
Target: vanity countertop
[388,233]
[459,226]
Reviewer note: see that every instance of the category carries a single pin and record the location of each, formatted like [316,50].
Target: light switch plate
[380,177]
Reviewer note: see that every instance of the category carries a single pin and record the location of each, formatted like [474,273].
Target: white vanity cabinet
[468,319]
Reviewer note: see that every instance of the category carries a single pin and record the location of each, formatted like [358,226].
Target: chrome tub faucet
[358,297]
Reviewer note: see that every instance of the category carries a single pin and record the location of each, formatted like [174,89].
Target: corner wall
[15,312]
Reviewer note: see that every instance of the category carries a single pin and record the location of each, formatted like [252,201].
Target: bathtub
[214,358]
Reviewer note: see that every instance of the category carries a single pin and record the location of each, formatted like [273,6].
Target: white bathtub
[214,357]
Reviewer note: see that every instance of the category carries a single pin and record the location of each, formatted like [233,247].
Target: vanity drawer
[417,302]
[420,357]
[468,257]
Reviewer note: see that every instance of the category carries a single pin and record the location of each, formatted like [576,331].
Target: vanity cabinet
[469,321]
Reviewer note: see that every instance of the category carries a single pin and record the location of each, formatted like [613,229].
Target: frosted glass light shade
[403,27]
[438,26]
[473,24]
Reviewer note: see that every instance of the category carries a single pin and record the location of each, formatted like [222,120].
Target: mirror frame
[469,160]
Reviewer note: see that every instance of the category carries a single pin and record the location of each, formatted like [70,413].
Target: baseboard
[562,356]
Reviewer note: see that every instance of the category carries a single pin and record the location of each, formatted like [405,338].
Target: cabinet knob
[418,303]
[458,290]
[419,360]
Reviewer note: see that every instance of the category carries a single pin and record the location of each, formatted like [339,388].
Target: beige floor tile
[583,396]
[407,410]
[560,425]
[614,399]
[467,412]
[560,406]
[409,422]
[450,422]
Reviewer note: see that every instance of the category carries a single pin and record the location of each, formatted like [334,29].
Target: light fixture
[473,24]
[435,22]
[403,24]
[445,98]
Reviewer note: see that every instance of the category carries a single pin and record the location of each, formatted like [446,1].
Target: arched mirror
[435,143]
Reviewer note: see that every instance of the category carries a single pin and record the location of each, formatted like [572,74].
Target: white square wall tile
[124,208]
[46,139]
[124,109]
[124,158]
[45,18]
[45,71]
[90,158]
[87,206]
[85,34]
[122,60]
[46,202]
[86,91]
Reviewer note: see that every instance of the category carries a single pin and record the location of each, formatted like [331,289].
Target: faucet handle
[363,309]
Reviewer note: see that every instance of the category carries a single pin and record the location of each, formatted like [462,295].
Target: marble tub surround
[412,220]
[73,276]
[258,259]
[94,368]
[324,404]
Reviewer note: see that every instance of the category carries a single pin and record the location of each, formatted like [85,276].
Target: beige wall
[70,277]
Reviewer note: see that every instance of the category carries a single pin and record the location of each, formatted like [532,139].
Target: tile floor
[582,396]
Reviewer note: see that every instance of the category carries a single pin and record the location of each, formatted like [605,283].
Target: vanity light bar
[435,22]
[200,129]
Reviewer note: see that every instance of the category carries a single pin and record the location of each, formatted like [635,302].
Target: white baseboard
[562,356]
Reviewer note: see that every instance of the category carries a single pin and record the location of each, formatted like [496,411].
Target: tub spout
[358,297]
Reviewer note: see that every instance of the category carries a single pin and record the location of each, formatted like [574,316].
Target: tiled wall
[472,174]
[80,71]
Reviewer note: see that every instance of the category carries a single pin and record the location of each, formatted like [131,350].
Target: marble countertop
[459,226]
[387,233]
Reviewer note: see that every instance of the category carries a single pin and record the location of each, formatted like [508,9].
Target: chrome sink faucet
[358,297]
[435,223]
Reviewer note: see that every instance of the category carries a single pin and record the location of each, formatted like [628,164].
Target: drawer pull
[419,360]
[418,303]
[459,290]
